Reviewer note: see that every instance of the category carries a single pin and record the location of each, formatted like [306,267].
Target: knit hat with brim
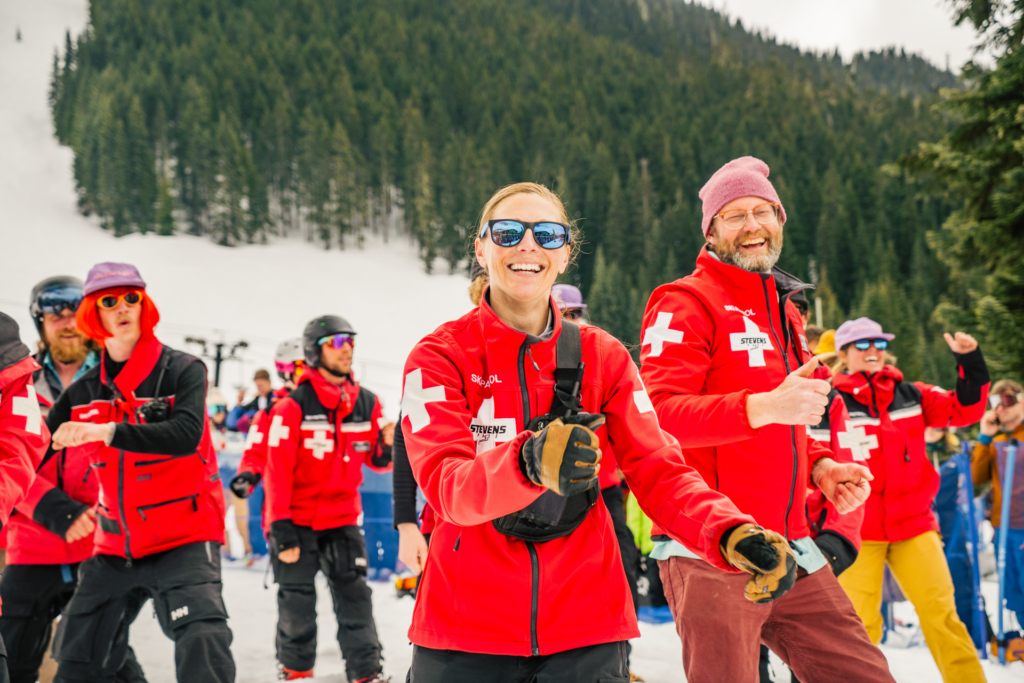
[743,177]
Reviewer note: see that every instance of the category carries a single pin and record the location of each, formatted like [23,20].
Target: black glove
[766,555]
[564,456]
[244,482]
[839,552]
[56,511]
[284,535]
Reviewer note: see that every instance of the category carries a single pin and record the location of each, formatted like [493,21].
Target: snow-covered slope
[262,294]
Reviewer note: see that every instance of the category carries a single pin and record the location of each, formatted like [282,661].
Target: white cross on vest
[278,431]
[858,441]
[753,341]
[319,444]
[253,437]
[29,409]
[488,431]
[659,334]
[416,398]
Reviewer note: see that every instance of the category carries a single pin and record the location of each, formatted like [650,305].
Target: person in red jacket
[318,439]
[510,469]
[882,419]
[160,514]
[730,376]
[51,531]
[23,434]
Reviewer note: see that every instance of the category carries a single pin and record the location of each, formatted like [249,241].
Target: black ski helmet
[317,329]
[12,350]
[59,284]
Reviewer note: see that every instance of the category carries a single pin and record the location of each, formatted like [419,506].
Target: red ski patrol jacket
[470,388]
[317,441]
[710,340]
[23,434]
[881,419]
[167,491]
[254,457]
[63,489]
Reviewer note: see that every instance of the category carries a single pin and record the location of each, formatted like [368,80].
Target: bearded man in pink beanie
[729,374]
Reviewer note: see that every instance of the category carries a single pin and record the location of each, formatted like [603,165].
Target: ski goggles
[287,368]
[865,344]
[1005,400]
[337,340]
[213,410]
[509,233]
[59,299]
[132,298]
[572,314]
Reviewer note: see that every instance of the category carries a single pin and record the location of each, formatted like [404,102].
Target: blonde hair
[541,191]
[477,287]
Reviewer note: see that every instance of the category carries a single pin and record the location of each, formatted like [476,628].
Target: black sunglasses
[509,232]
[865,344]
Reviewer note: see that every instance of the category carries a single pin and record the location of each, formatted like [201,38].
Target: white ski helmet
[288,353]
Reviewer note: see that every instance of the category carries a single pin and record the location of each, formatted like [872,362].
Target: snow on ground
[261,294]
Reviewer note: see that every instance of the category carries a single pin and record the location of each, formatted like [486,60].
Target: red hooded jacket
[152,501]
[710,340]
[317,441]
[470,388]
[881,419]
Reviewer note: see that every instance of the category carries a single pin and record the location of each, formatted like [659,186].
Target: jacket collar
[331,396]
[873,391]
[139,366]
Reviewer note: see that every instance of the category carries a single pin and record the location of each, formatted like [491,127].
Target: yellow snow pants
[919,566]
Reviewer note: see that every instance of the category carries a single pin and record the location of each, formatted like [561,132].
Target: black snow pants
[605,663]
[33,595]
[615,501]
[92,637]
[341,555]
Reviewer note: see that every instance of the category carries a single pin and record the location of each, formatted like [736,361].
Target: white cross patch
[753,341]
[29,409]
[489,431]
[416,398]
[253,437]
[278,431]
[858,441]
[641,399]
[319,444]
[659,334]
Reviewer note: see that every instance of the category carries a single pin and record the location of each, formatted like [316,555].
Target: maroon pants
[813,628]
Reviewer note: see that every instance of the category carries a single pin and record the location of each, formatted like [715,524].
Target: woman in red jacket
[881,420]
[515,487]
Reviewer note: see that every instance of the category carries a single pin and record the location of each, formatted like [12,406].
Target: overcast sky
[921,26]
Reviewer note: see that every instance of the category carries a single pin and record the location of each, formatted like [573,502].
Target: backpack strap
[569,371]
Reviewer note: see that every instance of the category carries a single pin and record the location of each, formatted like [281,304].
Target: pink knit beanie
[743,177]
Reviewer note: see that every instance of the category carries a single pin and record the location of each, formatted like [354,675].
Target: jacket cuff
[284,535]
[839,551]
[744,418]
[972,377]
[56,511]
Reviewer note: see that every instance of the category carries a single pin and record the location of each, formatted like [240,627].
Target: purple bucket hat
[861,328]
[108,275]
[567,296]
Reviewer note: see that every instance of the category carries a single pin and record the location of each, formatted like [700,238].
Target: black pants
[341,555]
[92,637]
[33,595]
[762,668]
[3,663]
[605,663]
[615,501]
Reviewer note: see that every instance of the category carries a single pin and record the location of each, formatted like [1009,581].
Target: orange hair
[88,318]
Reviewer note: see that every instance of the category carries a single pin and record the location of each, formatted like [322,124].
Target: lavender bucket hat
[861,328]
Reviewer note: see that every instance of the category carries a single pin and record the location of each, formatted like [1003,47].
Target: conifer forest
[337,120]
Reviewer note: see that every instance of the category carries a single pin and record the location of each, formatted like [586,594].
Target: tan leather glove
[764,554]
[565,455]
